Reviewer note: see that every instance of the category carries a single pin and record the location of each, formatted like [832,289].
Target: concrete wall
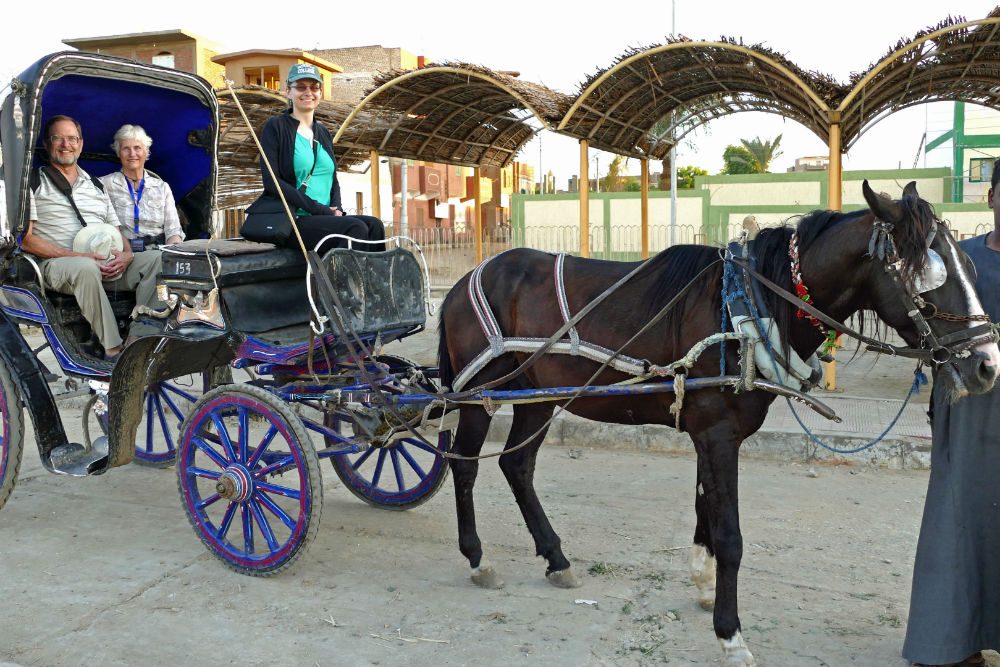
[551,222]
[713,212]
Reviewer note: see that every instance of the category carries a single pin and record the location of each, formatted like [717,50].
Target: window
[262,76]
[164,59]
[981,169]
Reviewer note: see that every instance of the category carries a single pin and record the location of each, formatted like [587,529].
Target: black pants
[365,227]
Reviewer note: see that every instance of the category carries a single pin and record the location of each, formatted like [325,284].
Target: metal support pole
[584,200]
[376,200]
[644,208]
[835,171]
[834,203]
[673,194]
[403,226]
[477,216]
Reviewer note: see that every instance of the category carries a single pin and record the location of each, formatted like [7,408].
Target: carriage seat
[230,261]
[261,287]
[65,305]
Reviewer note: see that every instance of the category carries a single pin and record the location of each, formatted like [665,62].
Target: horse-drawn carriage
[248,472]
[610,341]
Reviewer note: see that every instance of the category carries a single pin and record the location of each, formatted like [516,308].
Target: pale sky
[557,44]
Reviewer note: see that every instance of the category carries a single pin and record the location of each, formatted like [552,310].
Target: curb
[567,430]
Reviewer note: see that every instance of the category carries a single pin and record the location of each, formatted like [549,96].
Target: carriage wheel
[249,479]
[400,476]
[11,434]
[164,407]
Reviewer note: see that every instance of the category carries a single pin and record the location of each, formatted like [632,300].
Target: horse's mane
[919,218]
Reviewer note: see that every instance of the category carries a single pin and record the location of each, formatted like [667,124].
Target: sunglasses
[303,87]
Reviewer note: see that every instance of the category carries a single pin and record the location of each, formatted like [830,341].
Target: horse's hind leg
[719,480]
[519,469]
[702,553]
[473,425]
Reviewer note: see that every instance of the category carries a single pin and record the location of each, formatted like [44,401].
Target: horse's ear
[883,207]
[911,190]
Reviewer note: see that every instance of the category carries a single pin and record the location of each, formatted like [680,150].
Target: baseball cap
[303,71]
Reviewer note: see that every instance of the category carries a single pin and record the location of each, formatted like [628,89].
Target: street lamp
[597,173]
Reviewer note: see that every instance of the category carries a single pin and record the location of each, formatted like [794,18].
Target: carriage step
[77,460]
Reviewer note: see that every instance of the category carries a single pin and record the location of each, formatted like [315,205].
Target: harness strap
[537,354]
[499,345]
[574,336]
[488,323]
[619,362]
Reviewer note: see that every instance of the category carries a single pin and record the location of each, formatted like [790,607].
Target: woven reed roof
[454,113]
[619,107]
[954,60]
[239,168]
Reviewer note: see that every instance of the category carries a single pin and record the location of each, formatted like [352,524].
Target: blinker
[933,276]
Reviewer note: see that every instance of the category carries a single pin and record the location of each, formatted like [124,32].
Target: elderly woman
[142,200]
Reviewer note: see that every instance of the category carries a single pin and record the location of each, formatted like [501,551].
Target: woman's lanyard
[136,198]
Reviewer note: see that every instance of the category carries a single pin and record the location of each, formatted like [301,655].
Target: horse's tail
[446,372]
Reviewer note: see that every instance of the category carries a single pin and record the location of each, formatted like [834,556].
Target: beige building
[269,68]
[179,49]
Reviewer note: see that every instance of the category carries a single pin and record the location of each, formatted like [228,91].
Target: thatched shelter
[454,113]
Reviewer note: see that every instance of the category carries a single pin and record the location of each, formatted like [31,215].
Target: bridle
[920,309]
[933,348]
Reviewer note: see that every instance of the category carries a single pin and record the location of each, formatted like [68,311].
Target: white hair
[133,132]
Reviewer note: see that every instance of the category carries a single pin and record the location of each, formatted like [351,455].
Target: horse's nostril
[987,372]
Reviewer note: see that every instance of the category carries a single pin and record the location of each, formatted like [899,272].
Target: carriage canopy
[177,109]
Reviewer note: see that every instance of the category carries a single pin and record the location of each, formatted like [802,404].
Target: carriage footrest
[77,461]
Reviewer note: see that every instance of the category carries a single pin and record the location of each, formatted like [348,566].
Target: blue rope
[919,379]
[732,289]
[730,294]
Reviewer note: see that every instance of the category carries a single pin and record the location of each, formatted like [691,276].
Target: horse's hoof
[563,579]
[485,576]
[736,653]
[707,603]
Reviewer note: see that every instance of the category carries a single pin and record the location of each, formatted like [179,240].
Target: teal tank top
[321,182]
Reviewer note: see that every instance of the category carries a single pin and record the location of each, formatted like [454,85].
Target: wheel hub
[235,484]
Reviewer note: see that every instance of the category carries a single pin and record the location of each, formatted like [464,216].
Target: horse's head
[925,289]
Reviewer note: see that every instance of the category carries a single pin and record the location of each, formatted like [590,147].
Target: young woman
[300,151]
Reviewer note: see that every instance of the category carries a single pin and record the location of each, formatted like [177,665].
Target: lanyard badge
[137,243]
[136,198]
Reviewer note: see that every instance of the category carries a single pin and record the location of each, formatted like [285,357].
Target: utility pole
[673,147]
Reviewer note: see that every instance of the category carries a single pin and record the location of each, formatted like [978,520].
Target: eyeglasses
[303,87]
[58,139]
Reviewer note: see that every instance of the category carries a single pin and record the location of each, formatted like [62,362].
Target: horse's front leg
[519,468]
[719,481]
[702,566]
[473,425]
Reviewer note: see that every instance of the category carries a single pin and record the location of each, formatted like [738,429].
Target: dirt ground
[107,571]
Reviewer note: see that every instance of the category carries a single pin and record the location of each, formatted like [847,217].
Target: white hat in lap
[99,239]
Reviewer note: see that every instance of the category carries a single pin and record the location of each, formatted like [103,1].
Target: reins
[871,344]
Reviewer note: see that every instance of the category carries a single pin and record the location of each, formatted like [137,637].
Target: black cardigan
[278,141]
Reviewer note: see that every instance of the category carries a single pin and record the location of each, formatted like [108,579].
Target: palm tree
[761,154]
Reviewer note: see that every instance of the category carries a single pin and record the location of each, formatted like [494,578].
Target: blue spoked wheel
[249,479]
[399,476]
[165,405]
[11,434]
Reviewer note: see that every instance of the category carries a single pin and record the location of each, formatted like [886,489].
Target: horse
[867,260]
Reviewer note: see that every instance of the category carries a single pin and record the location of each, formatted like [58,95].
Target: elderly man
[65,200]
